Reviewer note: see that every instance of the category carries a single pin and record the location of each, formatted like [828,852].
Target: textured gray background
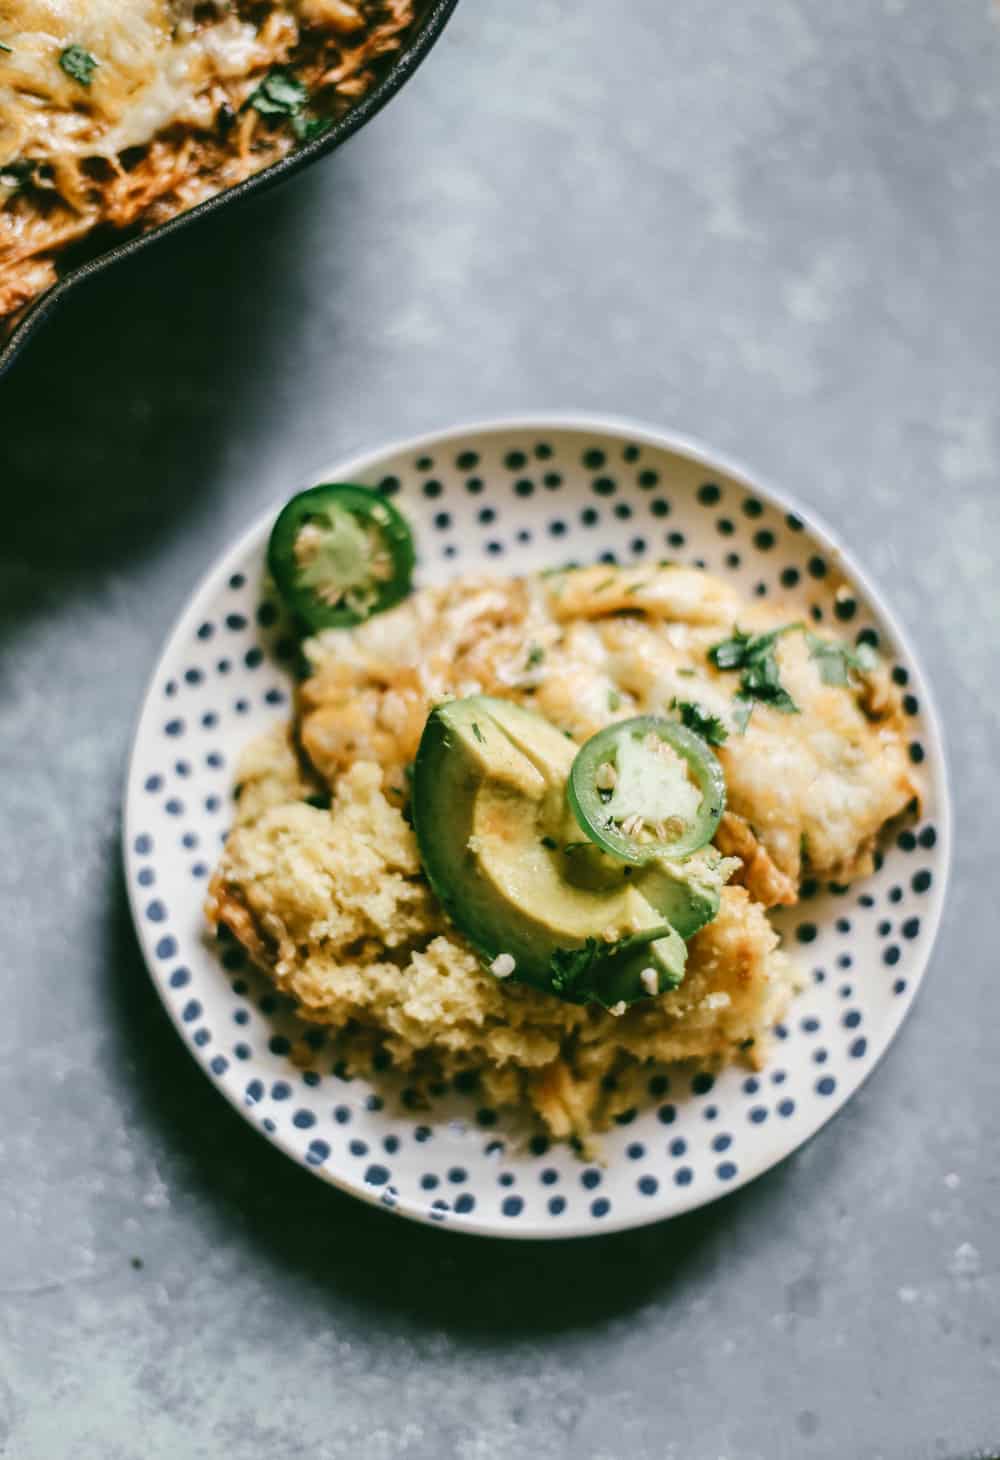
[769,223]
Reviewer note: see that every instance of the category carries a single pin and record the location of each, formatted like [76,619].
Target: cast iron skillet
[430,21]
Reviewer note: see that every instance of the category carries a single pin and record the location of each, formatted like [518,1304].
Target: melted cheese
[813,788]
[154,67]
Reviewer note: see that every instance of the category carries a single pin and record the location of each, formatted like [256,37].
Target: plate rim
[694,450]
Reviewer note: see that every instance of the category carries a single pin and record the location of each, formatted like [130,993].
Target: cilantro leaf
[278,95]
[306,128]
[708,726]
[760,680]
[8,49]
[753,655]
[732,653]
[834,660]
[79,64]
[568,965]
[283,95]
[535,656]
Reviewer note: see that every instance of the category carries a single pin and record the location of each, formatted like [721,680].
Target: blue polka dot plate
[531,493]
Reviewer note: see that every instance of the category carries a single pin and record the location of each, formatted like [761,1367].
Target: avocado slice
[503,853]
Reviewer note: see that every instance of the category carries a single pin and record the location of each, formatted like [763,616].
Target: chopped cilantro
[708,726]
[550,843]
[834,660]
[731,653]
[577,972]
[478,733]
[79,64]
[278,95]
[568,965]
[8,49]
[753,655]
[306,128]
[535,656]
[614,700]
[282,95]
[576,846]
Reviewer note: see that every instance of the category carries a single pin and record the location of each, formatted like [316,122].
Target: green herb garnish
[478,733]
[278,95]
[8,49]
[568,965]
[535,656]
[708,726]
[732,653]
[282,95]
[79,64]
[550,843]
[834,661]
[753,655]
[306,128]
[614,700]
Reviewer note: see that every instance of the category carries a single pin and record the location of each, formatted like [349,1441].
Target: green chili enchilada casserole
[115,115]
[528,830]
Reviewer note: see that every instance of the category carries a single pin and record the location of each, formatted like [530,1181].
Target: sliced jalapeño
[339,554]
[647,787]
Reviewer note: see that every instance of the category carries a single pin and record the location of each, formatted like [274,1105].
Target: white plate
[523,495]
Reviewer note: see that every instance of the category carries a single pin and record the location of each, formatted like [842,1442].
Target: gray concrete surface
[769,223]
